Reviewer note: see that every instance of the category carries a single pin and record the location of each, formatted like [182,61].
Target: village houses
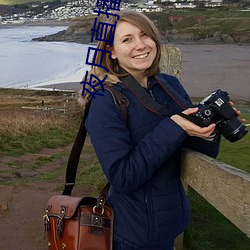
[73,9]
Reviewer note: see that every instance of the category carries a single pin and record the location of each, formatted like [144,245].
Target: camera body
[216,108]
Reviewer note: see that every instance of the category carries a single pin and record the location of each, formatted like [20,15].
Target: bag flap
[68,203]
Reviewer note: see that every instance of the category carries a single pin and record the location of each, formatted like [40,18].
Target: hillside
[176,27]
[13,2]
[8,7]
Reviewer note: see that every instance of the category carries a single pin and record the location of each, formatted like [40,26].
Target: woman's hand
[238,113]
[190,128]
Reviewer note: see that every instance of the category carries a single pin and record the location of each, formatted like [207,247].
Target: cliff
[173,28]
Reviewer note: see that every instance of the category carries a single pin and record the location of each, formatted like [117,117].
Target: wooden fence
[223,186]
[66,109]
[52,109]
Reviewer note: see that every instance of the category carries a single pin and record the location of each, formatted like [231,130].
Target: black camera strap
[145,98]
[181,101]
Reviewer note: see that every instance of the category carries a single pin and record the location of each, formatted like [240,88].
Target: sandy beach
[206,68]
[209,67]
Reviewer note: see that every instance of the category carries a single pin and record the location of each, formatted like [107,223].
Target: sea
[26,64]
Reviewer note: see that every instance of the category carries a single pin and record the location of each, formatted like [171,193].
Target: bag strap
[74,156]
[120,100]
[122,103]
[144,97]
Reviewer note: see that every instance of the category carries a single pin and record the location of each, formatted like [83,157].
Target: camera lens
[238,133]
[233,130]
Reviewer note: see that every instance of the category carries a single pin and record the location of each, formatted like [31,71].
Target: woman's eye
[144,34]
[126,40]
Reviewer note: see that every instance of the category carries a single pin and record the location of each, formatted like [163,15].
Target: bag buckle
[95,212]
[46,221]
[96,221]
[59,224]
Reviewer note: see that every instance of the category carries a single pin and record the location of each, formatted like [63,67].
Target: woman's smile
[141,56]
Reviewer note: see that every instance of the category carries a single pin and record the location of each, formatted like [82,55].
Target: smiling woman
[141,155]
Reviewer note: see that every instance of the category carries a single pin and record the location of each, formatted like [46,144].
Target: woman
[141,156]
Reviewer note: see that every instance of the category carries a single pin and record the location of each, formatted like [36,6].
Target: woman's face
[134,50]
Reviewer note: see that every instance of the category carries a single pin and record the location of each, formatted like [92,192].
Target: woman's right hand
[190,128]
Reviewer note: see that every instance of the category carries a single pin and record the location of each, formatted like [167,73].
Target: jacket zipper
[148,204]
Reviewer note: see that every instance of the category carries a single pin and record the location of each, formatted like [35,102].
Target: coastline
[205,68]
[49,23]
[67,86]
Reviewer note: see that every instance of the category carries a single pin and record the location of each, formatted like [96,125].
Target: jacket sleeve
[125,165]
[209,148]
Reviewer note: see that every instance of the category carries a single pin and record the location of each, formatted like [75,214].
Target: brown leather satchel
[81,223]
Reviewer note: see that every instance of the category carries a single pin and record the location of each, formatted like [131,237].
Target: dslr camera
[216,108]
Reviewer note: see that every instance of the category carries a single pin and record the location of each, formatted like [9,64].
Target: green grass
[91,172]
[237,154]
[210,230]
[39,162]
[51,176]
[32,143]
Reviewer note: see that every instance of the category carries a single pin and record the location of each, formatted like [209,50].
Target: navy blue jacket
[141,160]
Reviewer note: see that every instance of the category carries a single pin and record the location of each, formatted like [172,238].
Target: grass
[210,230]
[237,154]
[38,162]
[23,131]
[90,172]
[31,133]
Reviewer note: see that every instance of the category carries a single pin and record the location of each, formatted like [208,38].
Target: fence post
[171,60]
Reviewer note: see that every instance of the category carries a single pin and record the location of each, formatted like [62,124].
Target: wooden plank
[178,244]
[223,186]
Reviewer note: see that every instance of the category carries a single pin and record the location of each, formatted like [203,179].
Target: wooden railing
[223,186]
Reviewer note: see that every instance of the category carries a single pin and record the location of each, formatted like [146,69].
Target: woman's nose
[139,44]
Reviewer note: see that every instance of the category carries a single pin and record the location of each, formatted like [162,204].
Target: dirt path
[21,224]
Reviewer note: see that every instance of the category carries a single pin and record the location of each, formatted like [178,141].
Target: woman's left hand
[238,113]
